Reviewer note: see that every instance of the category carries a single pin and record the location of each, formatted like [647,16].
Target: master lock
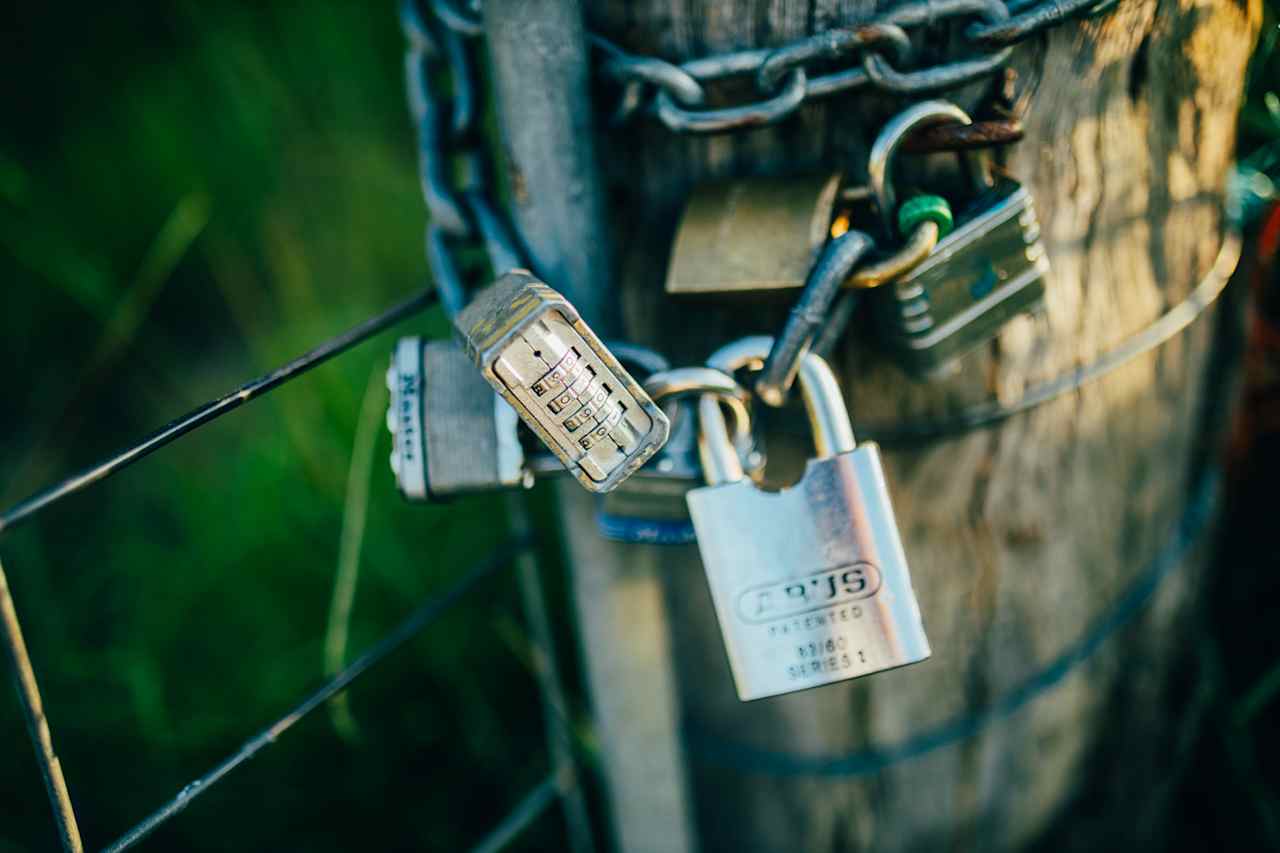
[810,584]
[451,434]
[534,349]
[752,235]
[989,269]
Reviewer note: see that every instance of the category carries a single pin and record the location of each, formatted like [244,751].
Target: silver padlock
[533,347]
[451,434]
[810,584]
[988,270]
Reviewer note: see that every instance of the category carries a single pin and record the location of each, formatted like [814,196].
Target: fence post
[538,53]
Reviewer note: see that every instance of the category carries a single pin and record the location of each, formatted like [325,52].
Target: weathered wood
[1017,536]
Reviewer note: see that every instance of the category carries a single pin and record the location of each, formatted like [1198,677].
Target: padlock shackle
[824,404]
[880,158]
[819,388]
[666,386]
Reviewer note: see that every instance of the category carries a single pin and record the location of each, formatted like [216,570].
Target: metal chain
[877,53]
[452,156]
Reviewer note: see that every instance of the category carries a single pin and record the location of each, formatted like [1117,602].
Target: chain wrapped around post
[460,210]
[878,52]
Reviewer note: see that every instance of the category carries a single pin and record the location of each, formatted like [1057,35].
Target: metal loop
[823,399]
[924,13]
[683,381]
[1025,24]
[964,137]
[838,259]
[444,272]
[919,245]
[831,45]
[766,112]
[649,360]
[465,23]
[705,381]
[442,205]
[462,112]
[416,31]
[666,76]
[925,81]
[880,158]
[503,253]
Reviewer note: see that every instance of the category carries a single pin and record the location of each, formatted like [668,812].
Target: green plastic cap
[925,208]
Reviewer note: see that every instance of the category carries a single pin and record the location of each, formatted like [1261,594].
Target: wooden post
[1017,536]
[539,66]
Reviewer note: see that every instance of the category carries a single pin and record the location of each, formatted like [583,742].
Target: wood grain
[1017,536]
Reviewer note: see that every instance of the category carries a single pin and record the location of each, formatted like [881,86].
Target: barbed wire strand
[28,689]
[214,409]
[720,751]
[417,621]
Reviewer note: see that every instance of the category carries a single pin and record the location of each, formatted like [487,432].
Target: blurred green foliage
[191,195]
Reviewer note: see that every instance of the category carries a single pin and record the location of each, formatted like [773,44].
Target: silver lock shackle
[823,403]
[880,159]
[666,385]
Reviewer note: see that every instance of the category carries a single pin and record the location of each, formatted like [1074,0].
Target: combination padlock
[754,234]
[451,434]
[533,348]
[810,584]
[989,269]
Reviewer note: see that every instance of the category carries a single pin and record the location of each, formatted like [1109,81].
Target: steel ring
[686,381]
[757,114]
[829,45]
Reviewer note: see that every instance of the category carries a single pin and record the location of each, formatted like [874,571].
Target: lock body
[534,349]
[810,584]
[752,235]
[451,433]
[988,270]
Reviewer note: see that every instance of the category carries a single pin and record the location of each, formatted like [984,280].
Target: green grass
[195,195]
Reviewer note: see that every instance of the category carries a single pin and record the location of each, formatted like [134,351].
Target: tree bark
[1017,536]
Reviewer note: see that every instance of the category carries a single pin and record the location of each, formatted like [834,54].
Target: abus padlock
[810,584]
[532,346]
[451,434]
[753,234]
[988,270]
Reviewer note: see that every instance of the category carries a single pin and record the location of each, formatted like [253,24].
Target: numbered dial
[538,354]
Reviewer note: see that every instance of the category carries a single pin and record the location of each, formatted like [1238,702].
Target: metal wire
[214,409]
[712,749]
[1150,337]
[24,674]
[525,813]
[452,158]
[417,621]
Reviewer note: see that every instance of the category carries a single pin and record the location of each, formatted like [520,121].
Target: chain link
[452,159]
[877,53]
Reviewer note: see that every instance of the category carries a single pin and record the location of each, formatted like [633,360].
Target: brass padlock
[752,235]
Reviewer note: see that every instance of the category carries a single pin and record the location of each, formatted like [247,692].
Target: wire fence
[562,784]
